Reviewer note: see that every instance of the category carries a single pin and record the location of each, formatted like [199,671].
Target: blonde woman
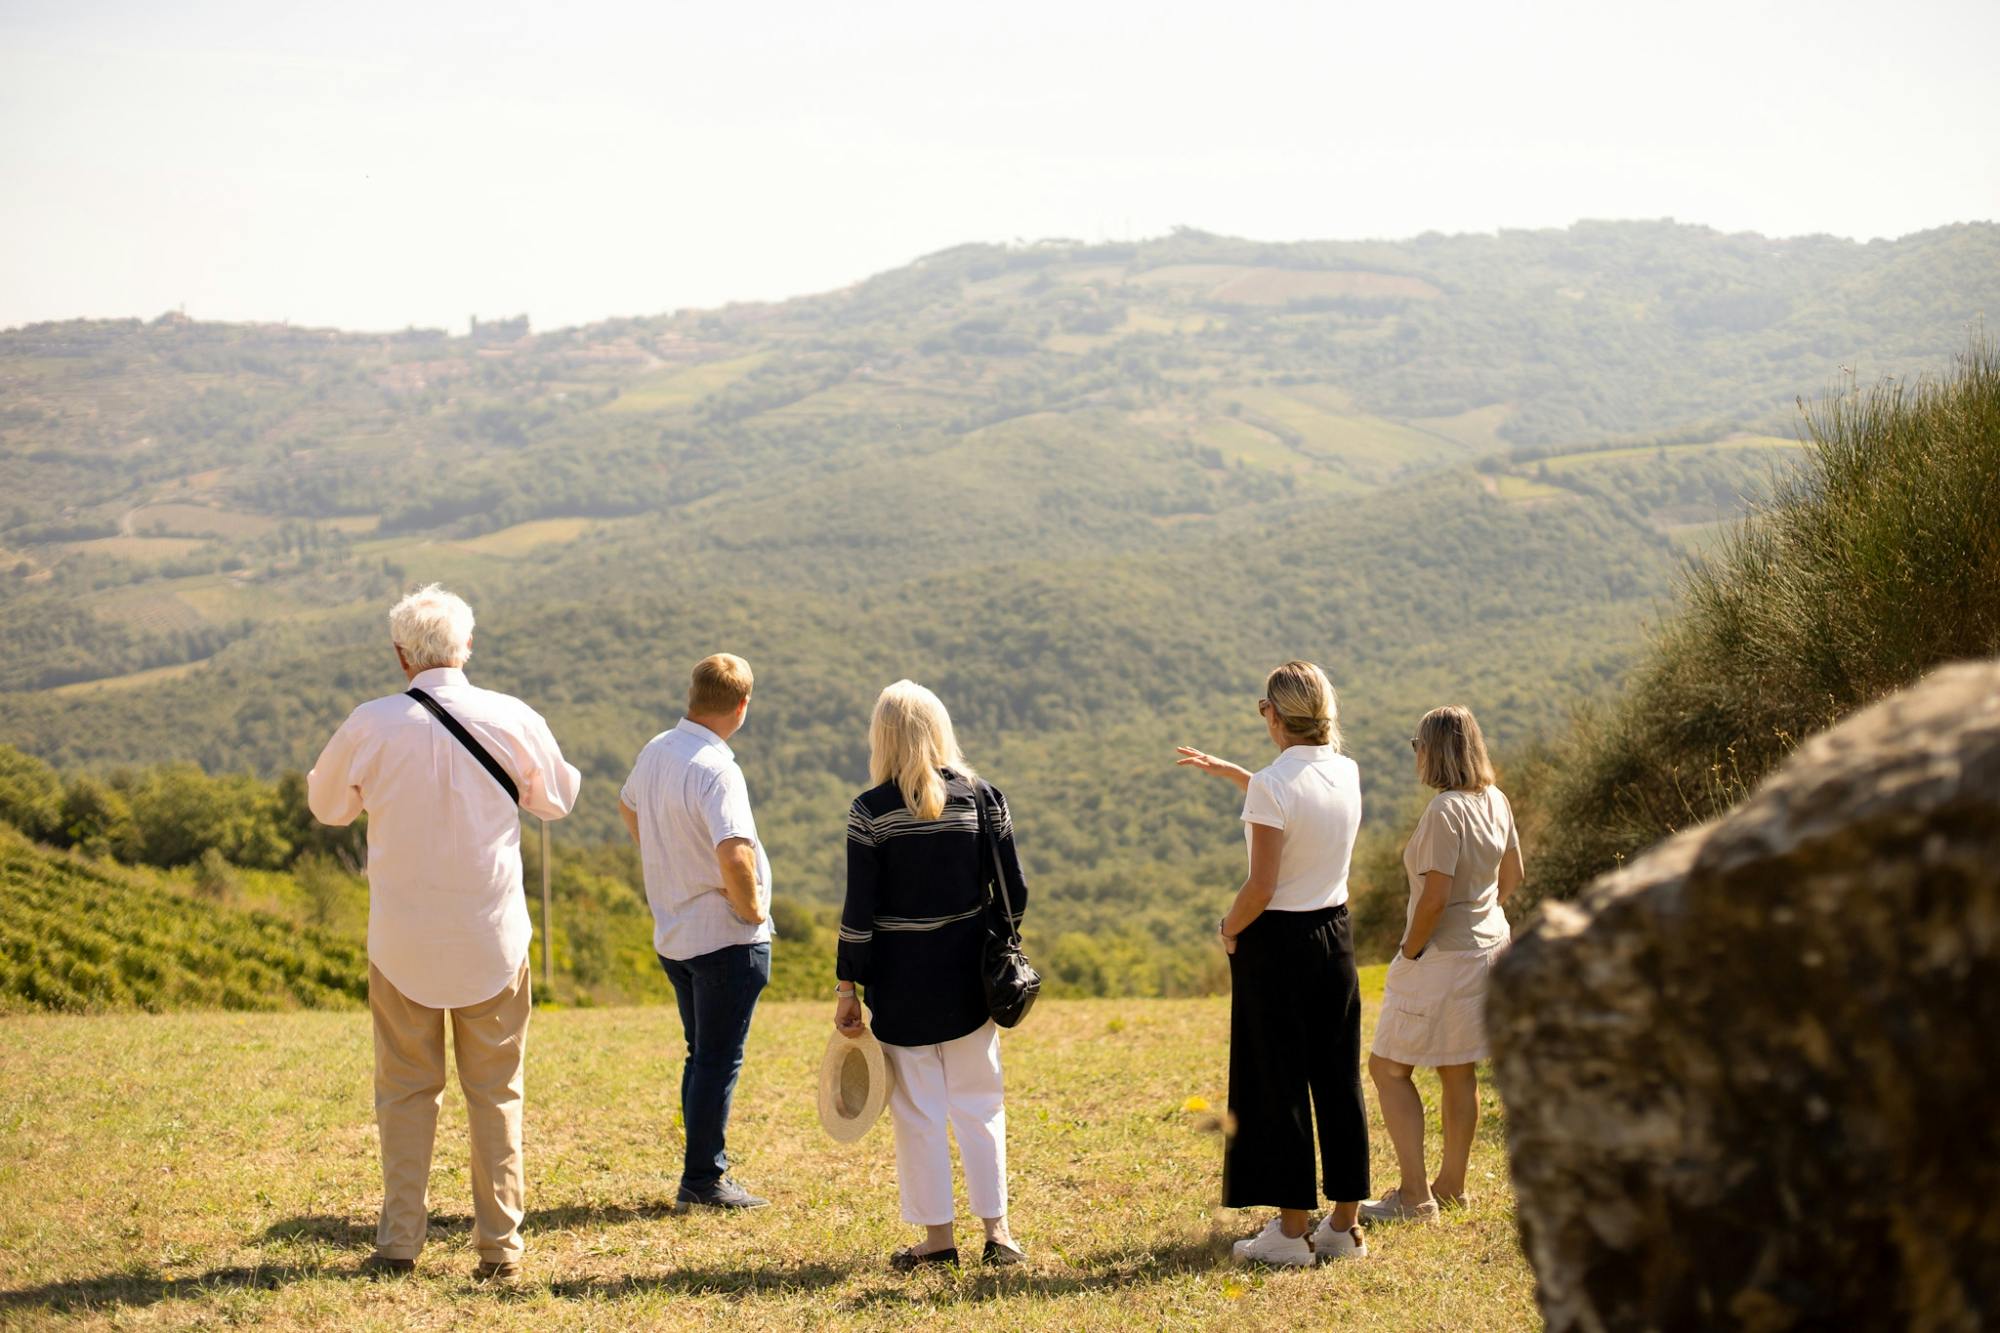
[1295,1003]
[911,933]
[1464,863]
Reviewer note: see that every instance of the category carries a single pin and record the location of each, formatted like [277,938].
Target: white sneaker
[1273,1246]
[1328,1243]
[1391,1208]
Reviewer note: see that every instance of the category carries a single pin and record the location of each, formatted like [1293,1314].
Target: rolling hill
[1090,493]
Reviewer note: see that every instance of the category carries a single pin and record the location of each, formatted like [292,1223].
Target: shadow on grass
[112,1290]
[352,1233]
[1046,1276]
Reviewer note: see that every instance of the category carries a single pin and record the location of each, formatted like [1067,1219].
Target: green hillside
[82,936]
[1089,493]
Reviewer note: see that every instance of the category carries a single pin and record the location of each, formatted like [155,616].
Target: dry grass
[139,549]
[211,1169]
[682,387]
[522,538]
[1515,489]
[131,680]
[192,520]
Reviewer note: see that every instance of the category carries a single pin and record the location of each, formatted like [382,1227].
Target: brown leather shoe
[506,1273]
[382,1266]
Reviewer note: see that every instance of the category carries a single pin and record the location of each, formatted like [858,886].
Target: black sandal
[1002,1256]
[910,1258]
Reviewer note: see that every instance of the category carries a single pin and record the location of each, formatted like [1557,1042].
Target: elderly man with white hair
[443,771]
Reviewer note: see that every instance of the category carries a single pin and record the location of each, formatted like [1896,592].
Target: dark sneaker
[506,1273]
[382,1266]
[910,1258]
[1002,1256]
[724,1193]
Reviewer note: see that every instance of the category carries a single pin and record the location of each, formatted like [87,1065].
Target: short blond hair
[1451,752]
[433,627]
[1305,702]
[910,738]
[720,682]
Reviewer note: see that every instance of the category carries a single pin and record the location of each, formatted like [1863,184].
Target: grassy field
[131,680]
[684,386]
[210,1169]
[523,538]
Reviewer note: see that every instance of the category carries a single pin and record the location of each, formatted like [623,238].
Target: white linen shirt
[447,921]
[1313,793]
[690,796]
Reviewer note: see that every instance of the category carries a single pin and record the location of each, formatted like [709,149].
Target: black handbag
[1009,979]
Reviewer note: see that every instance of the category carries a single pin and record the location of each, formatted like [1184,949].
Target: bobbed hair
[1451,752]
[909,739]
[719,683]
[433,627]
[1305,702]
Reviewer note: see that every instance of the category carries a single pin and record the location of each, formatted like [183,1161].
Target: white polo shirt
[690,796]
[1313,793]
[447,921]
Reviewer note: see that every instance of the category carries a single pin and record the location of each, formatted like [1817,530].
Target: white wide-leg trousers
[955,1082]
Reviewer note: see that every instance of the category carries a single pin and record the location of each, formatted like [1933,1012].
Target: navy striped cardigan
[914,923]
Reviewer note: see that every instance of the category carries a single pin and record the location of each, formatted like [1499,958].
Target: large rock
[1753,1079]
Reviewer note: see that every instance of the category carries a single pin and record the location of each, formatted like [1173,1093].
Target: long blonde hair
[909,740]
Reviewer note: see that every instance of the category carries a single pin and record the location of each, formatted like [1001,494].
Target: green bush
[30,793]
[1873,561]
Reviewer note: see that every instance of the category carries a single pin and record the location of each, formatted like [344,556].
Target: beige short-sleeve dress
[1434,1005]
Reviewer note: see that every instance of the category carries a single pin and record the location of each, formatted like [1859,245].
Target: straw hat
[853,1085]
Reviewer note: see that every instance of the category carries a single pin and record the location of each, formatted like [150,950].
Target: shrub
[1873,561]
[323,885]
[215,878]
[30,793]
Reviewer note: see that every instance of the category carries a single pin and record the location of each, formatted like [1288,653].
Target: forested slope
[1089,493]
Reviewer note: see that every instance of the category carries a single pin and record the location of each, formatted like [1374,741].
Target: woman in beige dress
[1464,863]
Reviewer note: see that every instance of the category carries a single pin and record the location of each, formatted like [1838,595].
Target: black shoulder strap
[989,835]
[466,738]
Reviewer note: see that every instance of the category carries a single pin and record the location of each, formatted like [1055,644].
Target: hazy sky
[376,165]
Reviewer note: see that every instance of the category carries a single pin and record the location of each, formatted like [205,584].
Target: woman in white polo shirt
[1295,1003]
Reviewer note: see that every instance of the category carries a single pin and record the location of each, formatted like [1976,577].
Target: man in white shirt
[709,885]
[448,927]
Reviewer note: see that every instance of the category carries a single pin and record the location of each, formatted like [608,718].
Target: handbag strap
[990,836]
[470,742]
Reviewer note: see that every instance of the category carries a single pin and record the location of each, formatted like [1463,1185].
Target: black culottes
[1295,1056]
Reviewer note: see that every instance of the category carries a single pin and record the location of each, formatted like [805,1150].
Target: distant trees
[171,815]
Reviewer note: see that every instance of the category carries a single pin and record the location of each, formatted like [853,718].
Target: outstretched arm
[1208,763]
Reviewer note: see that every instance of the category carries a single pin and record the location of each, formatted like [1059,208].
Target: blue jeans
[717,994]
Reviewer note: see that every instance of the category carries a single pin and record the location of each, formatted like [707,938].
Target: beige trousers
[491,1041]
